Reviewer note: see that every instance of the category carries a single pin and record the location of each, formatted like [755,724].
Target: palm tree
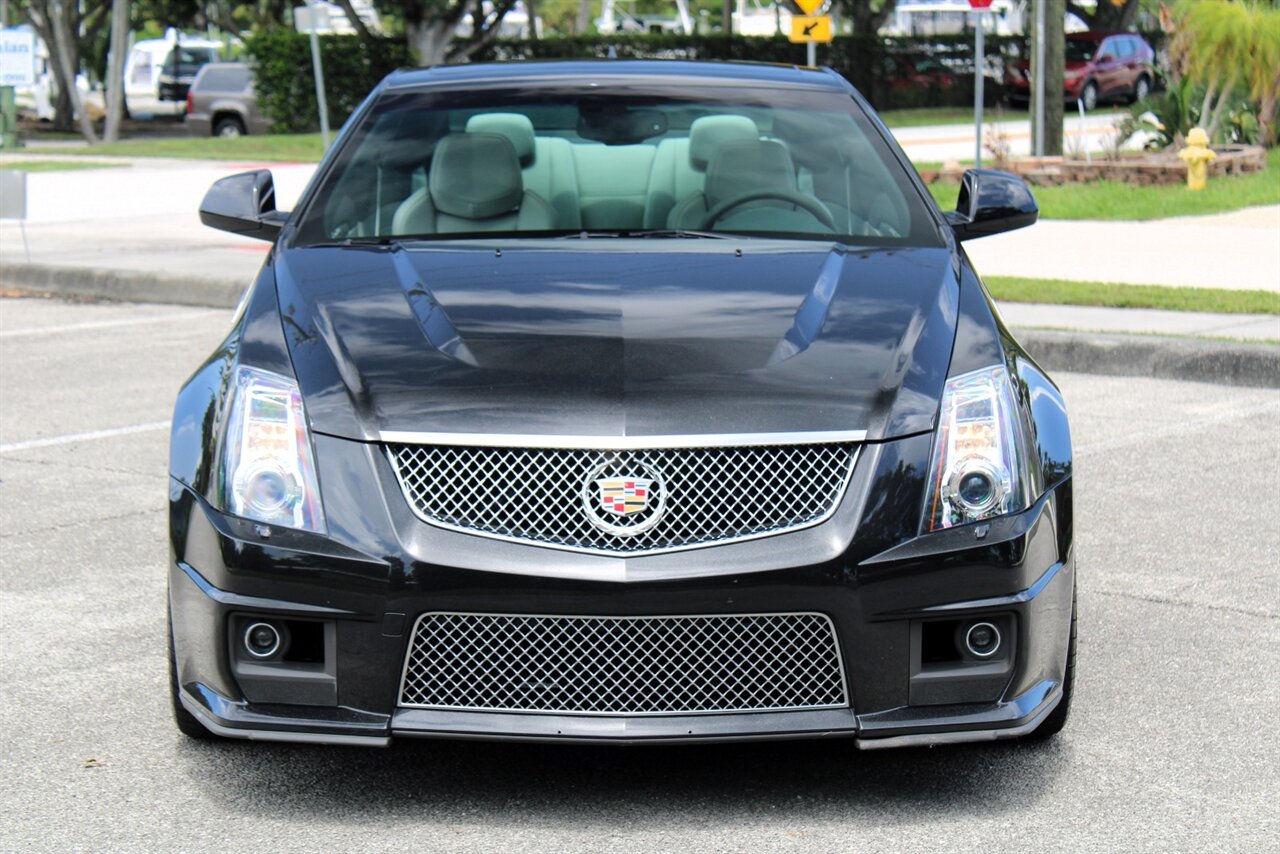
[1223,44]
[1263,70]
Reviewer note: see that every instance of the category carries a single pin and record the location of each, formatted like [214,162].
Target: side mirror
[244,204]
[992,202]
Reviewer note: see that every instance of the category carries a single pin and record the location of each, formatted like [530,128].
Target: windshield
[1079,50]
[617,159]
[185,60]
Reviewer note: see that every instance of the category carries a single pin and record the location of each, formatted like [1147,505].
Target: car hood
[618,338]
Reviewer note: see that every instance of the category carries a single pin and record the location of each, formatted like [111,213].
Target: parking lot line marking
[101,324]
[89,436]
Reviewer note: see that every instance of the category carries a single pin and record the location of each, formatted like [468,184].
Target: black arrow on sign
[808,30]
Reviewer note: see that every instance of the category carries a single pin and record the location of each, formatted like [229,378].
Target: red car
[1099,67]
[918,71]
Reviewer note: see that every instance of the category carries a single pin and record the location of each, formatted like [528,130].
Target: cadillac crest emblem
[623,499]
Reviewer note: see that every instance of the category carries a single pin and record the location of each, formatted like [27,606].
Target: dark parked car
[221,102]
[1099,67]
[619,401]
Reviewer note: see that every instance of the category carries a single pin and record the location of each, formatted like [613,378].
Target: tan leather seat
[474,185]
[737,169]
[546,163]
[680,165]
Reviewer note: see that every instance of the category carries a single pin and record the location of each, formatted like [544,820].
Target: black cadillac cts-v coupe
[621,402]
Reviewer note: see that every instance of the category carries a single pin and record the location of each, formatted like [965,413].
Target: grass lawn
[55,165]
[1063,292]
[1114,200]
[304,147]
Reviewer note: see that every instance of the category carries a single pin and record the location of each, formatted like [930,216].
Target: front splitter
[348,727]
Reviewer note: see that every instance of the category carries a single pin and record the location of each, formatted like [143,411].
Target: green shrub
[873,64]
[879,67]
[285,86]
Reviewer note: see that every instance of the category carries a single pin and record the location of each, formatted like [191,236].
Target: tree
[1223,46]
[867,16]
[1106,15]
[1264,73]
[356,21]
[1053,71]
[64,26]
[430,26]
[115,69]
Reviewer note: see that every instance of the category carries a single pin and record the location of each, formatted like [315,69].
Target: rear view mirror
[244,204]
[992,202]
[612,125]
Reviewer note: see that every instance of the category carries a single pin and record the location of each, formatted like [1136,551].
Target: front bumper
[878,587]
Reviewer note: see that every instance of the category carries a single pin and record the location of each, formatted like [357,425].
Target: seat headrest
[514,126]
[475,176]
[710,132]
[745,166]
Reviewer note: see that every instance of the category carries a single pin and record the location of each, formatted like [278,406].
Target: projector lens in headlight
[977,467]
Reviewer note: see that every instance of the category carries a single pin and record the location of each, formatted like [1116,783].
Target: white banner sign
[17,58]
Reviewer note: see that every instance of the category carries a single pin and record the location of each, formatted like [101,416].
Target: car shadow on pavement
[459,781]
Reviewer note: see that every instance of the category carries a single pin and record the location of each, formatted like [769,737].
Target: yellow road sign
[809,6]
[810,29]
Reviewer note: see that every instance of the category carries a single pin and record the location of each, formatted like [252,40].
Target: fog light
[261,640]
[982,639]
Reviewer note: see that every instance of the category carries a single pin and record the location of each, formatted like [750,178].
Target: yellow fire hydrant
[1197,156]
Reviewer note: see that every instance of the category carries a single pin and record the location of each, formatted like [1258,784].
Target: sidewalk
[1240,250]
[1144,321]
[939,143]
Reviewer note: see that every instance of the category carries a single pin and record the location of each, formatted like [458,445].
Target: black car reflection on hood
[619,337]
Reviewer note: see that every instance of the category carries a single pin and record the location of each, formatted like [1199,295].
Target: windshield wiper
[354,241]
[587,234]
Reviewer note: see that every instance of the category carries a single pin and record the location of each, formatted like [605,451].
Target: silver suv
[221,102]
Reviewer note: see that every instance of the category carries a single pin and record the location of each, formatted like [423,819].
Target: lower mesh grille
[623,665]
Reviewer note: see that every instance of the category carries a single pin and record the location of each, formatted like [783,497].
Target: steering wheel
[800,200]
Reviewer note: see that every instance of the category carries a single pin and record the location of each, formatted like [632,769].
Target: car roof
[670,71]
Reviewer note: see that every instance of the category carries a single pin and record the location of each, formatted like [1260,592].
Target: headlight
[268,471]
[977,467]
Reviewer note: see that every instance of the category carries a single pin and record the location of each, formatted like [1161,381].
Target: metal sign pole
[319,73]
[812,50]
[979,66]
[1039,78]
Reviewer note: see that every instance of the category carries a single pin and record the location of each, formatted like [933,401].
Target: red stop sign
[980,4]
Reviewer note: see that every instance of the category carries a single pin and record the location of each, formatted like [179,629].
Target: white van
[159,72]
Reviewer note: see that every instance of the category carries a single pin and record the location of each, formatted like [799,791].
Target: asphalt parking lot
[1172,744]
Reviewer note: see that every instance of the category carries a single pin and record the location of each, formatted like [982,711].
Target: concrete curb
[1158,357]
[121,285]
[1198,360]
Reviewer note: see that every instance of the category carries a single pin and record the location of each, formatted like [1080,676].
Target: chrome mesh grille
[547,495]
[623,665]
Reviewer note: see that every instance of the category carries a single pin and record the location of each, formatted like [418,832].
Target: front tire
[1141,89]
[186,722]
[1089,96]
